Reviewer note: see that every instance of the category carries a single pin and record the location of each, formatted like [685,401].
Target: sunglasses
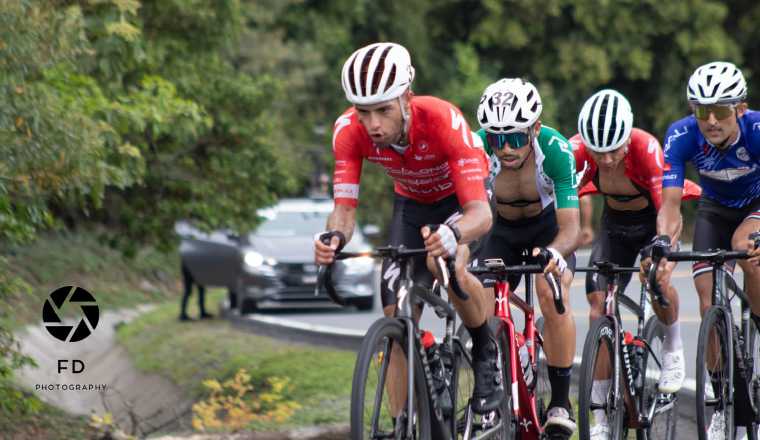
[515,140]
[702,112]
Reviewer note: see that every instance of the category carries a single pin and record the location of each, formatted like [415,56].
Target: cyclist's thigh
[713,229]
[498,246]
[601,250]
[630,232]
[409,217]
[749,224]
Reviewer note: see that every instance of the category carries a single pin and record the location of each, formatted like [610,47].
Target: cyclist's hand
[325,253]
[587,236]
[753,252]
[441,243]
[557,263]
[646,263]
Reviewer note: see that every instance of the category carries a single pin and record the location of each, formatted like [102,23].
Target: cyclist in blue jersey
[722,140]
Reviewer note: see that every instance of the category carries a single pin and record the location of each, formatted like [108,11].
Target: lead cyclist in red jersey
[625,165]
[425,145]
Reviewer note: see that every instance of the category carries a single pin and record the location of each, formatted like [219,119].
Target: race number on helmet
[509,105]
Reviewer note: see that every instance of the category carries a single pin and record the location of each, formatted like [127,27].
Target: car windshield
[292,224]
[301,224]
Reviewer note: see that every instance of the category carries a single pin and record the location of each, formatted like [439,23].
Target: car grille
[299,275]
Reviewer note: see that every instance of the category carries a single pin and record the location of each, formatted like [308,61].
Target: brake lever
[543,258]
[446,268]
[324,277]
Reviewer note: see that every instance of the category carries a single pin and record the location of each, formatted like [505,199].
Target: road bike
[728,377]
[631,364]
[523,363]
[433,400]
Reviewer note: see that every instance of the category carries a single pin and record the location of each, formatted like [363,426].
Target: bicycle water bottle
[525,364]
[437,370]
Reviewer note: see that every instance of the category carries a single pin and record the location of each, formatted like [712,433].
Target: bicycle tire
[507,431]
[717,319]
[752,352]
[368,377]
[663,425]
[542,389]
[600,336]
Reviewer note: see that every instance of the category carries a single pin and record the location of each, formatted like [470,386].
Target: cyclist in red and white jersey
[439,170]
[625,165]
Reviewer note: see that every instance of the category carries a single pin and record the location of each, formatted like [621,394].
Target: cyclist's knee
[389,310]
[596,304]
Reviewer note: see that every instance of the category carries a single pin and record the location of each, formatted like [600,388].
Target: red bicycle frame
[523,398]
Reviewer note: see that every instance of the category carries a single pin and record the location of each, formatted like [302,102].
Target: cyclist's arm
[469,169]
[560,166]
[566,241]
[475,222]
[343,219]
[669,216]
[587,213]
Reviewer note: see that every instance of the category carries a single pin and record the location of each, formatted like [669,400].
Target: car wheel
[365,304]
[248,305]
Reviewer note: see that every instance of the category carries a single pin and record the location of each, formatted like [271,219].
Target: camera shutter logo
[74,297]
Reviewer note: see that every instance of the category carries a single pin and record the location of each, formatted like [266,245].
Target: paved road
[351,322]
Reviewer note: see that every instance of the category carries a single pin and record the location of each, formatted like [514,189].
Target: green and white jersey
[555,168]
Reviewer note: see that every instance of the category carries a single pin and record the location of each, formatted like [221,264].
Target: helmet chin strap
[402,140]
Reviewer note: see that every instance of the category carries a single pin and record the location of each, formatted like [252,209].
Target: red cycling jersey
[643,165]
[443,157]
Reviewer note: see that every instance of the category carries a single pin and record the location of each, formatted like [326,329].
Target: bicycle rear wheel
[596,406]
[715,412]
[663,423]
[373,415]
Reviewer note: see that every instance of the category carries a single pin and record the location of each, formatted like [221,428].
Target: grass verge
[189,353]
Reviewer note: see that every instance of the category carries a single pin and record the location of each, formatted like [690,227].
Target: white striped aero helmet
[605,121]
[718,82]
[509,105]
[377,73]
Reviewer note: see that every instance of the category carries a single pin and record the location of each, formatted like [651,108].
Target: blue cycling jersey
[730,177]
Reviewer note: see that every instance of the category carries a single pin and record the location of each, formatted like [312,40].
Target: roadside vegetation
[283,385]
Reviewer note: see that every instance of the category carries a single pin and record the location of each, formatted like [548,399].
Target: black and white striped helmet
[605,121]
[377,73]
[509,105]
[718,82]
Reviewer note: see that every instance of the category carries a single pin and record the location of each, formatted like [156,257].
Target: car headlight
[256,264]
[359,266]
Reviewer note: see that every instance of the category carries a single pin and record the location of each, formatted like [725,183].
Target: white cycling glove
[559,259]
[448,239]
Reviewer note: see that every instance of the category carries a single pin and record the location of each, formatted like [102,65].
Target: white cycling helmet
[509,105]
[718,82]
[376,73]
[605,121]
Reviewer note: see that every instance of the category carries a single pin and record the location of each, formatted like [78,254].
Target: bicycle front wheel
[379,392]
[663,423]
[468,425]
[752,359]
[598,403]
[715,410]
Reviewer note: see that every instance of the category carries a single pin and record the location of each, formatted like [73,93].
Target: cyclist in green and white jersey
[534,184]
